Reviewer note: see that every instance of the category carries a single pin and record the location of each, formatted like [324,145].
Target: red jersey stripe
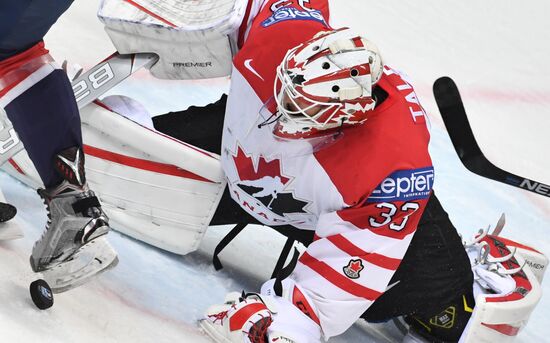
[379,260]
[338,279]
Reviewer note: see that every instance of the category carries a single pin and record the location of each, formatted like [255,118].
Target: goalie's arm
[355,254]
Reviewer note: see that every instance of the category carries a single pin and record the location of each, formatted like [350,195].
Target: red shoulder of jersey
[394,139]
[279,26]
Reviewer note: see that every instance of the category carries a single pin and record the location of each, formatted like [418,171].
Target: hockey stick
[87,87]
[454,116]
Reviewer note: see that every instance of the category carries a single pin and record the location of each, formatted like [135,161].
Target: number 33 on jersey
[398,197]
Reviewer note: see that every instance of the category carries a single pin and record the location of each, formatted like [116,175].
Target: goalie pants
[434,281]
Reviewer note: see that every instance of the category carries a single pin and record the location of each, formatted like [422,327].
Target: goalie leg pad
[154,188]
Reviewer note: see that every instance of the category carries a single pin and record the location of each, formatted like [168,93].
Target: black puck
[41,294]
[7,212]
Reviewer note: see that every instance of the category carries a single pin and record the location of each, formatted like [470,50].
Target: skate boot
[72,248]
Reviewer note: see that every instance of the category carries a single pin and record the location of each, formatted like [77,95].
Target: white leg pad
[153,187]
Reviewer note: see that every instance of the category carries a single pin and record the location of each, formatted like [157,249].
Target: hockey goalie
[323,142]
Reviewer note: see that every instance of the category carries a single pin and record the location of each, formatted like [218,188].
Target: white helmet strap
[350,93]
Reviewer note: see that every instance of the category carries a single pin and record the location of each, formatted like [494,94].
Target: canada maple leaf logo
[353,268]
[265,182]
[248,171]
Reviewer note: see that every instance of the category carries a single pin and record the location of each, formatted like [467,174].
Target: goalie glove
[241,318]
[258,318]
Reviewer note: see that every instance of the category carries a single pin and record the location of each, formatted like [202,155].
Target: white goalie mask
[326,83]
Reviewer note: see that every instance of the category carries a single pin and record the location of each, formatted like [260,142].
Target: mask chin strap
[269,121]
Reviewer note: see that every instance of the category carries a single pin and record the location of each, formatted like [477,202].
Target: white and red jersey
[363,194]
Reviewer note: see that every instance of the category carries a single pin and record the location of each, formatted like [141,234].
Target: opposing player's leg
[39,101]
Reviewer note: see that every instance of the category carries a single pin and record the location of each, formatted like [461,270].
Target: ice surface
[495,51]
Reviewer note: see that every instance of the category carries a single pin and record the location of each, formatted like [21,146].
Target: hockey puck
[41,294]
[7,212]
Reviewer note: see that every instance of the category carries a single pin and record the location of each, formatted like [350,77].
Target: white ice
[497,52]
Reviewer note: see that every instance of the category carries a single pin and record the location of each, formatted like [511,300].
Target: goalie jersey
[362,194]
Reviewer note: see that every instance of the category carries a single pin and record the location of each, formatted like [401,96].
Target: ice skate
[93,258]
[70,251]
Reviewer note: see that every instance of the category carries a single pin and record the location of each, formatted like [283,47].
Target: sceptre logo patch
[404,185]
[353,269]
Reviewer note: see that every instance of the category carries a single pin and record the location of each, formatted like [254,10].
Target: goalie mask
[326,83]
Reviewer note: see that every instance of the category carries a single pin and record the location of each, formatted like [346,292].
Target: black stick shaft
[454,116]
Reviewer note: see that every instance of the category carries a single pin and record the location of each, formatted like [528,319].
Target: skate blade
[87,262]
[212,331]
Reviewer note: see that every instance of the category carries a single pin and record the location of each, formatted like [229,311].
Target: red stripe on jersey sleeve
[338,279]
[373,258]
